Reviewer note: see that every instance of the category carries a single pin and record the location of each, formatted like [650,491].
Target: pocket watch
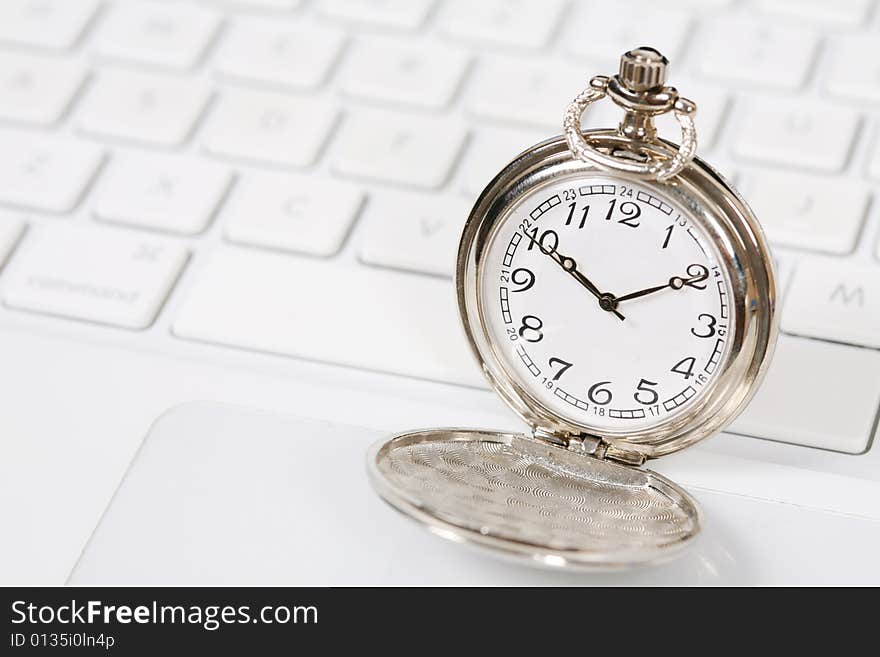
[619,295]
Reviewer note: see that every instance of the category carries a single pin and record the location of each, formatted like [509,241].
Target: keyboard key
[711,107]
[874,163]
[35,89]
[518,23]
[764,54]
[417,232]
[351,315]
[840,12]
[816,394]
[55,24]
[855,69]
[490,150]
[421,75]
[836,300]
[525,90]
[100,275]
[808,212]
[10,231]
[815,136]
[136,107]
[292,213]
[175,194]
[665,29]
[278,53]
[270,128]
[159,33]
[43,173]
[406,14]
[257,5]
[397,148]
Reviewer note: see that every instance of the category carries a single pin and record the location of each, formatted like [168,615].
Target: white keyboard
[282,167]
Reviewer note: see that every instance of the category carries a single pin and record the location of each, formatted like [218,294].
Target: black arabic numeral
[531,325]
[559,361]
[710,325]
[596,389]
[669,229]
[644,387]
[696,275]
[685,367]
[546,236]
[523,277]
[628,209]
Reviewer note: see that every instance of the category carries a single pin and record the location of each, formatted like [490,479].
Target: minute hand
[676,283]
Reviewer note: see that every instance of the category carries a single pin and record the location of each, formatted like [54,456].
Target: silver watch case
[566,496]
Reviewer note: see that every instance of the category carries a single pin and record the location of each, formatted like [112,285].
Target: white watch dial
[606,302]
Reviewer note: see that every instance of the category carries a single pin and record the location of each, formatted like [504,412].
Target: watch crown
[642,69]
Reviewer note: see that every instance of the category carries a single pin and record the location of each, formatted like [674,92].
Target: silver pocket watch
[619,296]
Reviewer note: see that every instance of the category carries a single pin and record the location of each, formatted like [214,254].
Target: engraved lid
[527,499]
[642,69]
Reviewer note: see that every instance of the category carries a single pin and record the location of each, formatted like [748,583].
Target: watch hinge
[590,446]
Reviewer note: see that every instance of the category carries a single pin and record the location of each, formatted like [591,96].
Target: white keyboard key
[524,90]
[874,162]
[52,24]
[764,53]
[10,231]
[36,89]
[816,394]
[268,127]
[808,212]
[488,152]
[351,315]
[840,12]
[137,107]
[836,300]
[397,148]
[417,232]
[418,74]
[43,173]
[278,53]
[257,5]
[711,107]
[100,275]
[518,23]
[406,14]
[159,33]
[175,194]
[810,136]
[855,69]
[664,29]
[292,213]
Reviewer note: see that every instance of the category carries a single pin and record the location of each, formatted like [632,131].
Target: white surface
[268,302]
[402,72]
[794,210]
[155,33]
[270,52]
[413,231]
[99,275]
[389,13]
[140,107]
[280,211]
[527,23]
[397,148]
[765,53]
[270,128]
[43,173]
[174,194]
[48,24]
[840,12]
[36,89]
[10,230]
[488,152]
[818,136]
[187,513]
[834,300]
[831,404]
[848,80]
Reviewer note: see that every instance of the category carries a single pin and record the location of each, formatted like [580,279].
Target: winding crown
[642,69]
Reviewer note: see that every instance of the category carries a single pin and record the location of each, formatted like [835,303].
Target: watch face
[606,302]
